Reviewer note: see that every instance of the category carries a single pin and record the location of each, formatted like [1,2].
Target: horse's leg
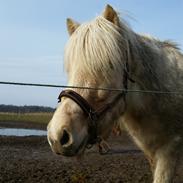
[166,159]
[164,170]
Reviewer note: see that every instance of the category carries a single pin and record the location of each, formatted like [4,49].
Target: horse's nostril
[65,138]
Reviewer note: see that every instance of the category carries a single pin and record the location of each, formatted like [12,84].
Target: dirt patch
[29,159]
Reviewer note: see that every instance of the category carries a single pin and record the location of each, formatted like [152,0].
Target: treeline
[25,109]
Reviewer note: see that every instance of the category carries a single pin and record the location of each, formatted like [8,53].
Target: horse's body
[97,55]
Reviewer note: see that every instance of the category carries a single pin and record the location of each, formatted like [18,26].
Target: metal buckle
[93,115]
[89,146]
[103,146]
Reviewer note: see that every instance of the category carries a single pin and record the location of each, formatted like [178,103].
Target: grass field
[26,117]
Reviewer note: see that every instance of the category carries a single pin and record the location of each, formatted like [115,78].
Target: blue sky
[33,35]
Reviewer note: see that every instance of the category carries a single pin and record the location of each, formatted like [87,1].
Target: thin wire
[90,88]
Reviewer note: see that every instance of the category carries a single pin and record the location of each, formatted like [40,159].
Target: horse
[104,55]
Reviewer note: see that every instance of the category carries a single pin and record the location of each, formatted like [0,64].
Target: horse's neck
[146,62]
[156,67]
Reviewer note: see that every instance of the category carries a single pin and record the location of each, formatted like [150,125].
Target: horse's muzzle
[66,145]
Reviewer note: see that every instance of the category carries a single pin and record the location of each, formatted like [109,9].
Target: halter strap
[85,106]
[89,111]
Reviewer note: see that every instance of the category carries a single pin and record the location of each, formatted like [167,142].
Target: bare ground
[29,159]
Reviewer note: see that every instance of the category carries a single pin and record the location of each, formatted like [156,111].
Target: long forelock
[97,47]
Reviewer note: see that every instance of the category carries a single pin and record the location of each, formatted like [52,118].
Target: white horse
[106,53]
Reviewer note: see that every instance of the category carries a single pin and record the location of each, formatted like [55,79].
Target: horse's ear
[111,15]
[71,25]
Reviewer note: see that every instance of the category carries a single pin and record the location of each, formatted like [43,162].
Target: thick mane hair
[99,46]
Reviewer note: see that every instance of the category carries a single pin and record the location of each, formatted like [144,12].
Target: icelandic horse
[107,53]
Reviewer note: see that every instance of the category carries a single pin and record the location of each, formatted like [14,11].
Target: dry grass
[26,117]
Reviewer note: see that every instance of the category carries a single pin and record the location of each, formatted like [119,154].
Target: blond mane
[98,46]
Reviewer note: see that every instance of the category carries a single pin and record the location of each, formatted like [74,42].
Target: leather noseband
[90,112]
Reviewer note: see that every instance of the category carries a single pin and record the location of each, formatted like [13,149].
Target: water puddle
[21,132]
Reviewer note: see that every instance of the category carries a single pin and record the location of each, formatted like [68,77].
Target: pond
[22,132]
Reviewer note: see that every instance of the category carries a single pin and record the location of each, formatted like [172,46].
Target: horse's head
[93,58]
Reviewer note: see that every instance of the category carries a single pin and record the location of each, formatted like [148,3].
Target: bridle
[93,115]
[96,115]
